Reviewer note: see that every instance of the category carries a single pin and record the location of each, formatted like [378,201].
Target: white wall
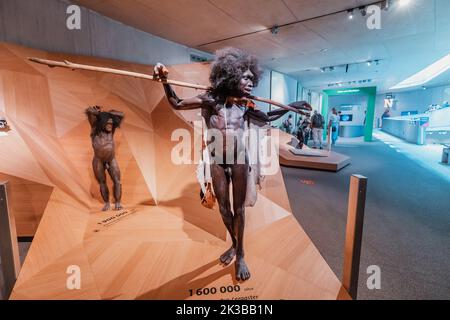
[41,24]
[263,90]
[284,90]
[417,100]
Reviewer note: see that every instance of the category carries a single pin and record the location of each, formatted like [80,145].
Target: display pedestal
[309,158]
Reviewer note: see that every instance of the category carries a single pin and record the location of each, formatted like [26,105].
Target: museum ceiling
[411,36]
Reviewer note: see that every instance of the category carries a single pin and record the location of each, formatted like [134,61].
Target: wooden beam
[9,248]
[353,235]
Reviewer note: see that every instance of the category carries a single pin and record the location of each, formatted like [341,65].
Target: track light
[385,5]
[363,11]
[275,29]
[350,14]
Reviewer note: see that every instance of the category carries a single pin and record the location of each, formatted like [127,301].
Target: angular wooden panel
[28,201]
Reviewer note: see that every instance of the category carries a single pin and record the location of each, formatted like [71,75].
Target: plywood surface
[164,244]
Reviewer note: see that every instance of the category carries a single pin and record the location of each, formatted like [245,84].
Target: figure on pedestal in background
[225,109]
[103,127]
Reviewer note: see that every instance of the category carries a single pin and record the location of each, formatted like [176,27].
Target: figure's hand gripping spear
[74,66]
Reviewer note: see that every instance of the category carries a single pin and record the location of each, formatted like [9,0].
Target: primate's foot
[242,273]
[228,256]
[118,206]
[106,207]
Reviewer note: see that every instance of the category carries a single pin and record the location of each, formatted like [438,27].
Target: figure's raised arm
[116,113]
[92,113]
[119,115]
[161,72]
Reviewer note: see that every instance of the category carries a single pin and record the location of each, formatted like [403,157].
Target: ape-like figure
[233,76]
[103,126]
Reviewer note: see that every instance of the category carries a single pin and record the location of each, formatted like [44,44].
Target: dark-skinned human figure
[234,74]
[103,126]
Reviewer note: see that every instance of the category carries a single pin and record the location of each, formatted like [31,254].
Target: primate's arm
[92,113]
[278,113]
[179,104]
[118,114]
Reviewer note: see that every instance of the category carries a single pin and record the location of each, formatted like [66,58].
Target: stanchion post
[353,235]
[9,247]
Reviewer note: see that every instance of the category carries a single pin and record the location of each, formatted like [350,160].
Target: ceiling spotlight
[403,3]
[322,70]
[385,5]
[331,68]
[377,62]
[275,29]
[369,63]
[350,14]
[424,88]
[363,11]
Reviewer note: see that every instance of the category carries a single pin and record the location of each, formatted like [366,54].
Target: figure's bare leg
[99,172]
[221,184]
[239,181]
[114,172]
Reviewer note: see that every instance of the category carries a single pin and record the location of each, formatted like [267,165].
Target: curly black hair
[102,119]
[227,69]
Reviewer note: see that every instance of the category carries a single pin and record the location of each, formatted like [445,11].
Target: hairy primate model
[103,126]
[234,74]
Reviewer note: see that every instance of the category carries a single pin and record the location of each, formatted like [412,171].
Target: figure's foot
[228,256]
[118,206]
[106,207]
[242,272]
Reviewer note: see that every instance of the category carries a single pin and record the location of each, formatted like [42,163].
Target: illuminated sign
[348,91]
[389,103]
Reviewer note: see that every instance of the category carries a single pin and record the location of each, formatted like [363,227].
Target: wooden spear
[74,66]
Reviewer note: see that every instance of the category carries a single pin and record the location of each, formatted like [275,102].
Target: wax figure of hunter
[103,126]
[234,74]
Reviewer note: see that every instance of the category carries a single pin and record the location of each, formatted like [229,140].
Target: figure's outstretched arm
[92,113]
[303,107]
[270,116]
[161,72]
[276,114]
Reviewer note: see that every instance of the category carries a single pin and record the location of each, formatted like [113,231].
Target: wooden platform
[329,161]
[164,244]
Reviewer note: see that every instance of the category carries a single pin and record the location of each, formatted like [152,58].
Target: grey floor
[407,220]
